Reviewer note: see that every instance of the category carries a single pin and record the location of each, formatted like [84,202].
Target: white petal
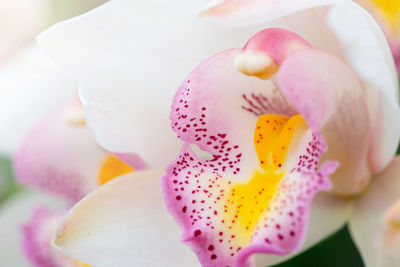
[390,242]
[367,221]
[124,223]
[367,51]
[256,11]
[131,56]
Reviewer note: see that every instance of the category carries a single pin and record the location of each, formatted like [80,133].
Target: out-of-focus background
[23,102]
[20,22]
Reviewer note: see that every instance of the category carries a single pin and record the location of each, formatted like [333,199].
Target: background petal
[367,51]
[13,213]
[37,235]
[60,157]
[235,12]
[31,85]
[124,223]
[367,221]
[390,241]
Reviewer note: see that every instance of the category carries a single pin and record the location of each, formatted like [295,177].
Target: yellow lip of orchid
[247,202]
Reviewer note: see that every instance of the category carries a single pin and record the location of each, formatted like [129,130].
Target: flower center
[112,168]
[246,202]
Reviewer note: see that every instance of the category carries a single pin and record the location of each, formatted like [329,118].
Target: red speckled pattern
[218,112]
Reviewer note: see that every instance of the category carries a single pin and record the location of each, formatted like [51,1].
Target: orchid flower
[72,167]
[267,139]
[75,165]
[387,13]
[332,88]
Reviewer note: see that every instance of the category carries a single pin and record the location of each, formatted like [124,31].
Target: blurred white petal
[31,85]
[124,223]
[367,221]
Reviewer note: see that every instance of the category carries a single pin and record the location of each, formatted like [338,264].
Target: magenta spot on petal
[197,233]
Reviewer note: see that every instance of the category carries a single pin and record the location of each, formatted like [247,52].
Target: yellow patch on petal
[79,263]
[112,168]
[389,10]
[246,202]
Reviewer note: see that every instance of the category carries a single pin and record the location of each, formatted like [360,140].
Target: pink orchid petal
[124,223]
[37,236]
[367,224]
[60,158]
[209,105]
[396,54]
[327,93]
[132,160]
